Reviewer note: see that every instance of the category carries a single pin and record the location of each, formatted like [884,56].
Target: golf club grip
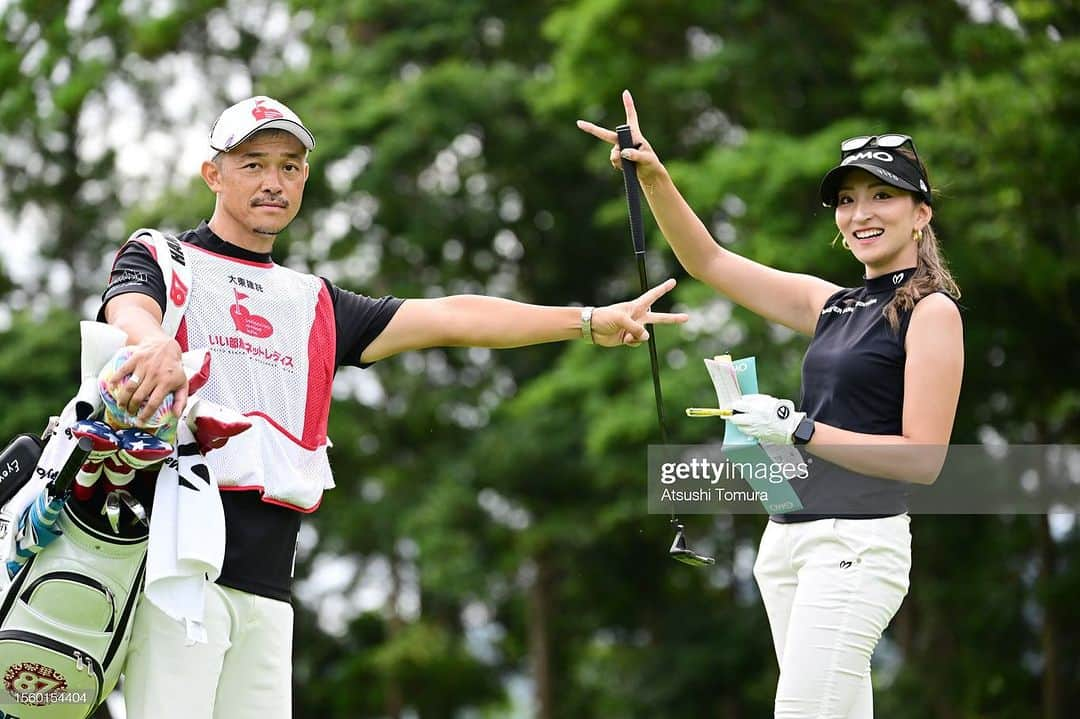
[66,477]
[633,194]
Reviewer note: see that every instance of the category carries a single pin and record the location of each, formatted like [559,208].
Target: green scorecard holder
[739,448]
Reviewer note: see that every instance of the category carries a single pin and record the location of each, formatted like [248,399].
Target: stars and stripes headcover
[105,440]
[140,449]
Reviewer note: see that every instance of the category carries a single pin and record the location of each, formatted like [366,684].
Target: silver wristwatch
[586,324]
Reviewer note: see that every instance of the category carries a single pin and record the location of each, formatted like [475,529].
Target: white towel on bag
[187,536]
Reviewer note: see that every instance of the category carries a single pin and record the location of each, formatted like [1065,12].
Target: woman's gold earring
[844,244]
[916,235]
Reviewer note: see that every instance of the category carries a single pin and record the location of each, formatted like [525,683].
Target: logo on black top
[898,278]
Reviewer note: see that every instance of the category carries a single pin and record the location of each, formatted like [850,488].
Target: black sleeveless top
[853,379]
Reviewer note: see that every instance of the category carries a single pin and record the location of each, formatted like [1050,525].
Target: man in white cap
[276,338]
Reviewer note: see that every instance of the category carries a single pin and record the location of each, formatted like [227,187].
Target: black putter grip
[63,481]
[633,195]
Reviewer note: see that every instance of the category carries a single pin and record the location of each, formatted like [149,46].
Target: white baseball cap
[247,117]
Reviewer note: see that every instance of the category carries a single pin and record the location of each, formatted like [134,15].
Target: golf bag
[65,619]
[66,616]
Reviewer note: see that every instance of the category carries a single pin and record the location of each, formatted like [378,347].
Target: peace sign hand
[649,166]
[624,323]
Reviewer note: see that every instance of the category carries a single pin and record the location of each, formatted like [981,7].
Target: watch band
[586,324]
[804,432]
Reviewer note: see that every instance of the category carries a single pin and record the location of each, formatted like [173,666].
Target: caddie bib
[270,331]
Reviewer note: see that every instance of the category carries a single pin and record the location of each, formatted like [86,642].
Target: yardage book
[732,379]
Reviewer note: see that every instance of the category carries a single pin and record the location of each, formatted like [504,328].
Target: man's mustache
[272,200]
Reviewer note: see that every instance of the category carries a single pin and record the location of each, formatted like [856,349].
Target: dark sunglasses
[888,141]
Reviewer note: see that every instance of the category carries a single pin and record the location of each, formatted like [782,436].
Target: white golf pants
[830,588]
[244,671]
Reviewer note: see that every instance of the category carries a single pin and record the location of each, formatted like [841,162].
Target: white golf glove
[765,418]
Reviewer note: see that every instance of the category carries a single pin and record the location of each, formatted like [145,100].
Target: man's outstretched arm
[479,321]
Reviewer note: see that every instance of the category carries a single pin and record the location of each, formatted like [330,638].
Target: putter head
[682,553]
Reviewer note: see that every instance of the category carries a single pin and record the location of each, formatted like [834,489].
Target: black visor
[885,163]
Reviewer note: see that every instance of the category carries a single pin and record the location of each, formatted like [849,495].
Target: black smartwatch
[804,432]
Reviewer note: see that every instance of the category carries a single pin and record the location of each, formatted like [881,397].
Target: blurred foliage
[490,509]
[39,366]
[74,76]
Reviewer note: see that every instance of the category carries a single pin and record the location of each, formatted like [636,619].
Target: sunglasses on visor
[888,141]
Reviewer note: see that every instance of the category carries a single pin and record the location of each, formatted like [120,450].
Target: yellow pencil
[708,412]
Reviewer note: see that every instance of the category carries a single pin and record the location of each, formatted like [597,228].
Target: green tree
[497,498]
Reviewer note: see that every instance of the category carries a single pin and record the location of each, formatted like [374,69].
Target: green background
[487,552]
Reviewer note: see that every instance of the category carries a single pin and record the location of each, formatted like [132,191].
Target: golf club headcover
[118,416]
[116,454]
[105,440]
[196,365]
[86,479]
[117,474]
[213,424]
[140,449]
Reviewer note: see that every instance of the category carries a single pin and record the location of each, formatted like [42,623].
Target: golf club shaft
[637,234]
[657,392]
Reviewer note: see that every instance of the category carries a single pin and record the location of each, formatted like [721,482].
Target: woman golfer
[881,379]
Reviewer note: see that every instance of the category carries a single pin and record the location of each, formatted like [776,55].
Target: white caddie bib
[271,335]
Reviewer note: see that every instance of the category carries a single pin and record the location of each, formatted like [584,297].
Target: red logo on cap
[262,112]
